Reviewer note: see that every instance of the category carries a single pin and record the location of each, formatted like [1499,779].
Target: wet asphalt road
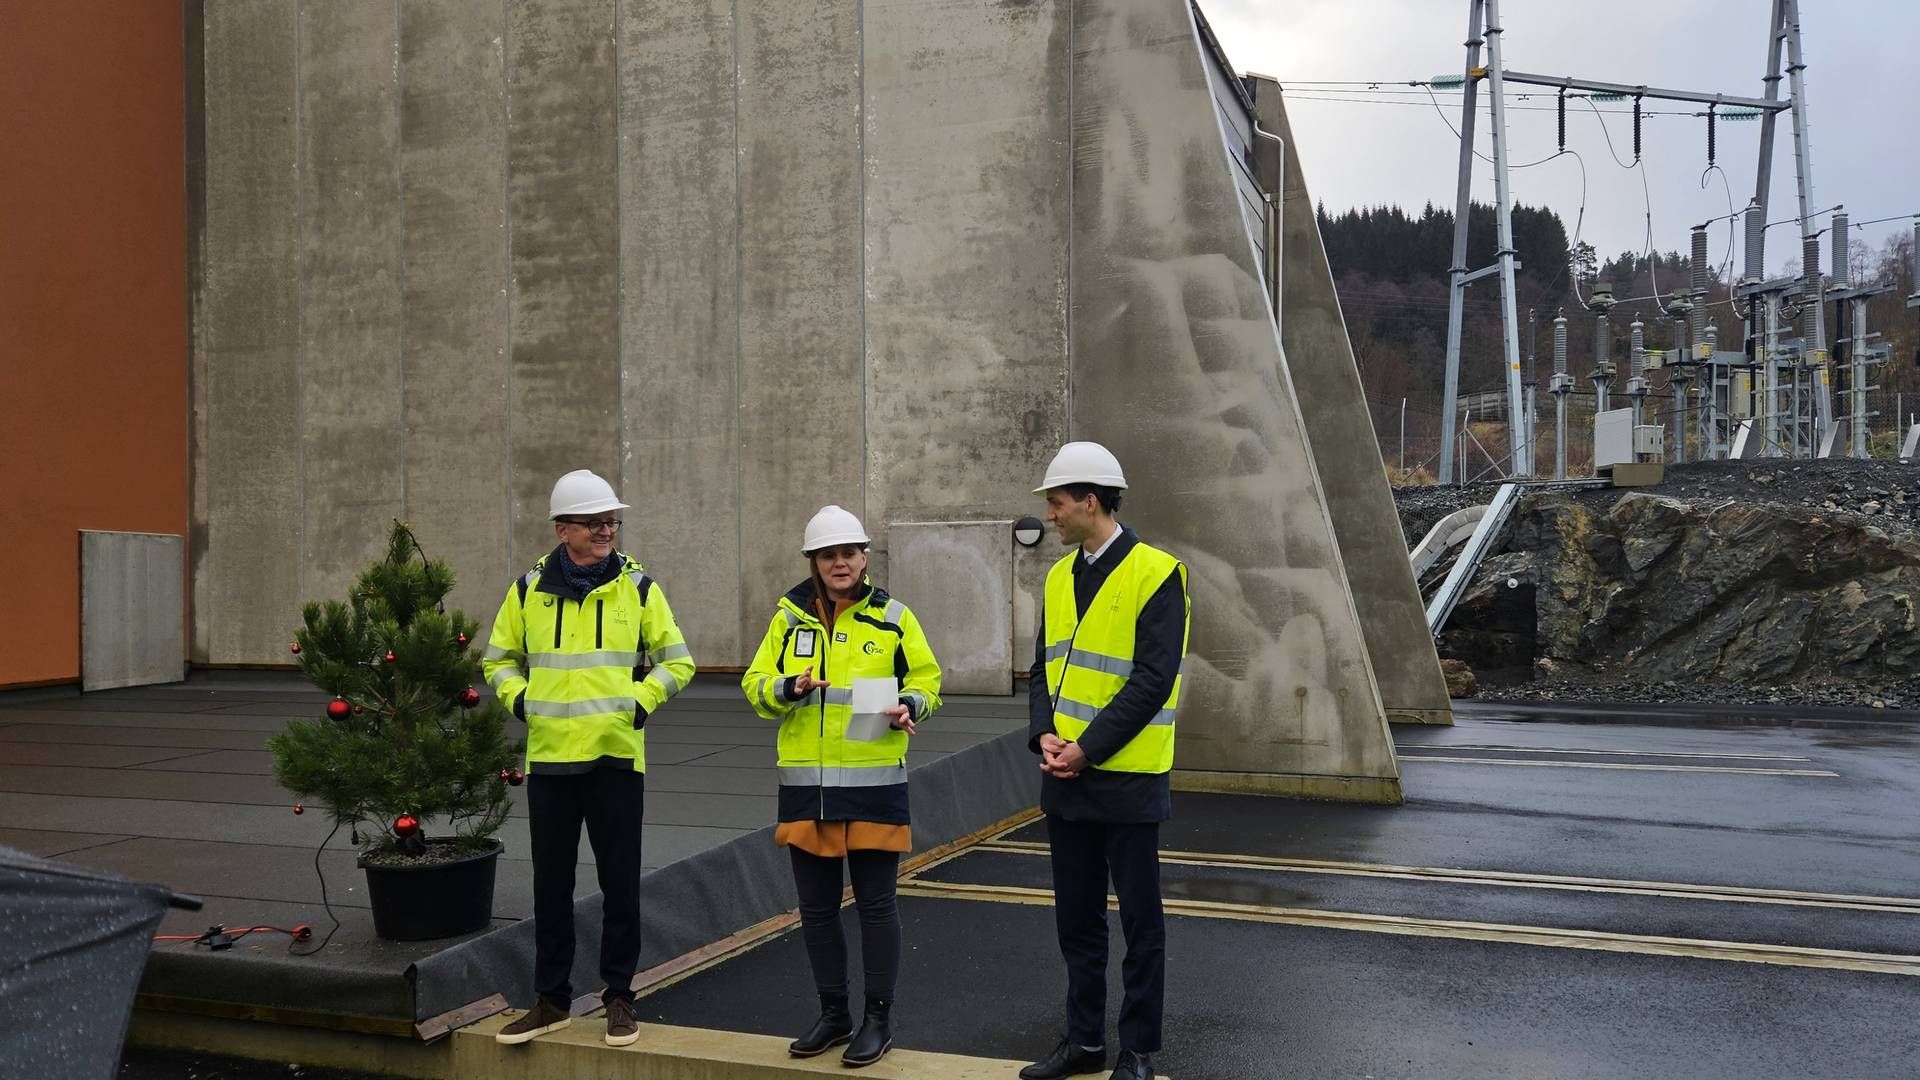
[1468,875]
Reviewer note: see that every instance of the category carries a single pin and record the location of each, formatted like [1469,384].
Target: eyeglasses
[595,525]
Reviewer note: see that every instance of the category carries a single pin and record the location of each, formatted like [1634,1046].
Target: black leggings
[819,883]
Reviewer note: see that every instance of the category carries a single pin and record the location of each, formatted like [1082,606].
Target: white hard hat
[583,492]
[1083,463]
[832,527]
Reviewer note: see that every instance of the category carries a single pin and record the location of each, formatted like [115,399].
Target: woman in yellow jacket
[843,782]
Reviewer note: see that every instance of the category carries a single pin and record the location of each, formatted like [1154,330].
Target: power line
[1877,221]
[1384,99]
[1646,191]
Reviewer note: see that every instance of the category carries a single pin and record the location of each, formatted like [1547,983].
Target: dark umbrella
[73,942]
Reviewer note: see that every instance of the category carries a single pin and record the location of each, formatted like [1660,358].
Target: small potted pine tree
[407,743]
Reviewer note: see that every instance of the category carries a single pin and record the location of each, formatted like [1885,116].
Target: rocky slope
[1734,581]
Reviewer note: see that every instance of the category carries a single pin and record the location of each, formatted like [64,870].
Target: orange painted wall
[93,303]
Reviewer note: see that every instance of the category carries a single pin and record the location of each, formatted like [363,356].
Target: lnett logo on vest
[872,648]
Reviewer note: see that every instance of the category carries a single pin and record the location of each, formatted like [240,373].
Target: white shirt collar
[1094,556]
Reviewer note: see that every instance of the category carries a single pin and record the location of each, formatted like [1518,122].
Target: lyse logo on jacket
[832,777]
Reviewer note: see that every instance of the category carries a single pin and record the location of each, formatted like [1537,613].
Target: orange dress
[833,839]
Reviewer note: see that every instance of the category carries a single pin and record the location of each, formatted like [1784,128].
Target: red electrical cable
[223,937]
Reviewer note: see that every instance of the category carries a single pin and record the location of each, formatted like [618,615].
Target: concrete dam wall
[747,259]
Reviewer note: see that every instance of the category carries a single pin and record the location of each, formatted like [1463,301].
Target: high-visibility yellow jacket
[824,775]
[1089,659]
[591,668]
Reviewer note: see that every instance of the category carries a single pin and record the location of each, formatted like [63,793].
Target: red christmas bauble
[469,697]
[462,639]
[358,709]
[338,709]
[298,809]
[513,777]
[296,648]
[406,825]
[389,656]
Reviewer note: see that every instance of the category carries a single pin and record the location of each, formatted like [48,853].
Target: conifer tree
[406,742]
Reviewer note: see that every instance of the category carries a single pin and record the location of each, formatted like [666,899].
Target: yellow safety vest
[876,638]
[1089,660]
[584,665]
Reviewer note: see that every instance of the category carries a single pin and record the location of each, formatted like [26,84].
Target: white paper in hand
[869,697]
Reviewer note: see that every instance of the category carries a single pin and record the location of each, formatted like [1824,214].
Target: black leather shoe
[875,1037]
[1132,1066]
[834,1027]
[1067,1059]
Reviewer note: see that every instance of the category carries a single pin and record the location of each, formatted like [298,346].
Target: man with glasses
[584,649]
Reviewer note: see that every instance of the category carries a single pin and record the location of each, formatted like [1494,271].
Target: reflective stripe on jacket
[1089,659]
[823,774]
[585,664]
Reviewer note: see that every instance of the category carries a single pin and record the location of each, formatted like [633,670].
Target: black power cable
[324,902]
[219,938]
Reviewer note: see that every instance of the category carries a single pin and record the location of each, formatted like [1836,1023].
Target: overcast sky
[1861,93]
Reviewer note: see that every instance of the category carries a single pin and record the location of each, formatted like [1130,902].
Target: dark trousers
[611,802]
[819,882]
[1085,854]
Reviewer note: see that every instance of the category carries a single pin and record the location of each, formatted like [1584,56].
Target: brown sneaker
[622,1030]
[537,1021]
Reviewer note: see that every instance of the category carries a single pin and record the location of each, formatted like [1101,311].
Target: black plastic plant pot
[433,899]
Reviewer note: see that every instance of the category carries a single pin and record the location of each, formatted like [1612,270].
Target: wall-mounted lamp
[1028,530]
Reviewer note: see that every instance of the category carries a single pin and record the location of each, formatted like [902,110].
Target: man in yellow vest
[1103,692]
[584,649]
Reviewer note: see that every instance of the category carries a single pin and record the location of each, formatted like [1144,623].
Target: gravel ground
[1885,491]
[1833,694]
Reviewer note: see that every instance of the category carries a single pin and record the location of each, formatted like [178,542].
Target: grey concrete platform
[173,784]
[1565,893]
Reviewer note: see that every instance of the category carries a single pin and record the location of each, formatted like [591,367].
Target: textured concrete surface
[688,1053]
[744,260]
[351,388]
[747,260]
[965,227]
[246,548]
[958,579]
[1346,455]
[562,202]
[133,609]
[453,122]
[802,442]
[679,270]
[1178,368]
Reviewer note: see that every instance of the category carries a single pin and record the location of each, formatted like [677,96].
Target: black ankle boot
[876,1034]
[834,1027]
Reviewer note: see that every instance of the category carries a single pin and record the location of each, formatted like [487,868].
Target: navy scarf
[582,580]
